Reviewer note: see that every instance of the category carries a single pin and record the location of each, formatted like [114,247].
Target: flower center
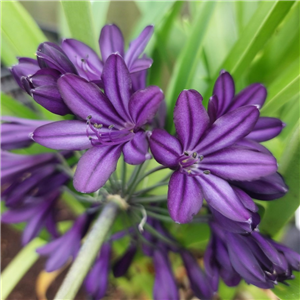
[189,162]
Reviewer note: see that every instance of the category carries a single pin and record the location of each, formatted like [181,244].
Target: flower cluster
[217,165]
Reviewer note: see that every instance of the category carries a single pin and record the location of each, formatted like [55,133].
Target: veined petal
[254,94]
[137,46]
[251,145]
[141,64]
[190,118]
[212,108]
[44,77]
[95,167]
[220,195]
[79,54]
[49,97]
[117,84]
[245,199]
[144,104]
[86,99]
[239,164]
[184,197]
[136,151]
[228,129]
[111,40]
[165,148]
[63,135]
[224,89]
[266,129]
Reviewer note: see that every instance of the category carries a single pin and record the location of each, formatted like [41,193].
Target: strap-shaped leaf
[20,32]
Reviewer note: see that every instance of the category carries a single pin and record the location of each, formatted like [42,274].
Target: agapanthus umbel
[39,77]
[115,123]
[206,156]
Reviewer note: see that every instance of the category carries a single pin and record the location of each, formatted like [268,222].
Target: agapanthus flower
[204,157]
[67,245]
[96,282]
[115,123]
[39,77]
[15,132]
[260,261]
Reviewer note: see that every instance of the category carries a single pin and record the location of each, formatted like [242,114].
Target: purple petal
[219,195]
[84,58]
[26,67]
[123,263]
[265,129]
[190,118]
[144,104]
[44,77]
[228,129]
[111,40]
[49,97]
[254,94]
[95,167]
[22,121]
[246,200]
[86,99]
[63,135]
[117,84]
[268,188]
[138,80]
[137,46]
[184,197]
[136,151]
[212,108]
[164,283]
[239,164]
[50,55]
[165,148]
[224,89]
[141,64]
[251,145]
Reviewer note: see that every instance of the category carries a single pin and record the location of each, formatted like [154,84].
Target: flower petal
[184,197]
[265,129]
[95,167]
[165,148]
[212,108]
[63,135]
[224,89]
[117,84]
[228,129]
[136,151]
[141,64]
[220,195]
[44,77]
[190,118]
[111,40]
[137,46]
[86,99]
[239,164]
[49,97]
[254,94]
[144,104]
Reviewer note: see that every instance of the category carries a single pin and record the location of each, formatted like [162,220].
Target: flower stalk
[88,252]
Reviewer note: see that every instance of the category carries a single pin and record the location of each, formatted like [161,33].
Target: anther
[201,157]
[206,172]
[90,138]
[82,60]
[194,154]
[89,117]
[186,153]
[111,126]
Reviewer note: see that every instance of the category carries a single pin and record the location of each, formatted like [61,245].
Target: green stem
[123,177]
[159,217]
[146,190]
[149,199]
[88,252]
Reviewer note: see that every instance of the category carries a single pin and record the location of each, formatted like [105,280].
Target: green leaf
[20,33]
[187,59]
[258,31]
[99,11]
[19,266]
[12,107]
[279,212]
[289,292]
[80,21]
[283,89]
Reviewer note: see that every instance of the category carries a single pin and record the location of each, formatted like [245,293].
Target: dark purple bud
[50,55]
[164,283]
[96,282]
[199,282]
[44,77]
[123,263]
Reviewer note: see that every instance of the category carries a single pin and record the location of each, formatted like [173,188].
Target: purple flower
[37,212]
[224,100]
[164,283]
[115,123]
[96,282]
[66,246]
[206,156]
[15,132]
[200,284]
